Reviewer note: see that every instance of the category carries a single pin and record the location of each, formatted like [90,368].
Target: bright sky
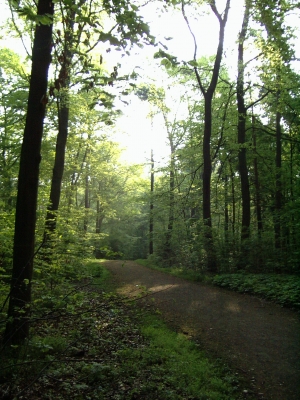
[135,130]
[142,132]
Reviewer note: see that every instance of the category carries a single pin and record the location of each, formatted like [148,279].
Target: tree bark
[99,216]
[17,327]
[208,96]
[168,251]
[207,167]
[151,225]
[257,186]
[86,203]
[63,83]
[226,210]
[242,115]
[278,193]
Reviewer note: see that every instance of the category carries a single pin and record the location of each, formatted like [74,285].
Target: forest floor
[259,339]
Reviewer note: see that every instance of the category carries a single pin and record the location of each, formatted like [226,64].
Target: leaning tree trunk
[17,327]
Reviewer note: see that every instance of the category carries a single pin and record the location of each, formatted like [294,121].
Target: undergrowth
[283,289]
[88,343]
[279,288]
[181,272]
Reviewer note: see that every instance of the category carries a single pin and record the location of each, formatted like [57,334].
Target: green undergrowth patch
[178,363]
[181,272]
[100,275]
[283,289]
[93,344]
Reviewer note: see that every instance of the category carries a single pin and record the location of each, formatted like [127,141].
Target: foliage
[193,275]
[283,289]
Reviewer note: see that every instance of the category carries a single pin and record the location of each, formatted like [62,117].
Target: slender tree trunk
[206,197]
[278,193]
[168,251]
[58,169]
[100,216]
[242,115]
[207,167]
[17,327]
[257,185]
[233,217]
[151,225]
[293,230]
[63,83]
[86,203]
[171,203]
[208,96]
[226,210]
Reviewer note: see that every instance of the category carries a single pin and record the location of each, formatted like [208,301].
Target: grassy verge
[179,369]
[282,289]
[92,344]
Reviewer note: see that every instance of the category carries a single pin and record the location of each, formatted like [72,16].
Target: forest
[222,203]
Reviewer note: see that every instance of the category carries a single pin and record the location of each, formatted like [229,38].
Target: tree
[242,116]
[14,93]
[208,93]
[151,222]
[17,327]
[82,32]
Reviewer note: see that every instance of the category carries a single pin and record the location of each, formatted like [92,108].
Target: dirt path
[259,339]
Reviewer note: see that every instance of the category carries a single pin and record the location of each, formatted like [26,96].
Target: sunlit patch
[159,288]
[129,290]
[233,307]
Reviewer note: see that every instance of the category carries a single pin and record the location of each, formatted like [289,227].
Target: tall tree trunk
[151,225]
[208,96]
[207,167]
[168,251]
[86,203]
[242,115]
[63,83]
[226,210]
[278,193]
[17,327]
[292,197]
[233,217]
[99,216]
[256,184]
[168,245]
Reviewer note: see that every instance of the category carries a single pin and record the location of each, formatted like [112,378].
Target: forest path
[259,339]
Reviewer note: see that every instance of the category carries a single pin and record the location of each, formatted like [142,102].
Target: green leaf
[193,63]
[167,63]
[104,37]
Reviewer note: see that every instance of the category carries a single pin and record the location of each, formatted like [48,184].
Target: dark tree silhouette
[17,326]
